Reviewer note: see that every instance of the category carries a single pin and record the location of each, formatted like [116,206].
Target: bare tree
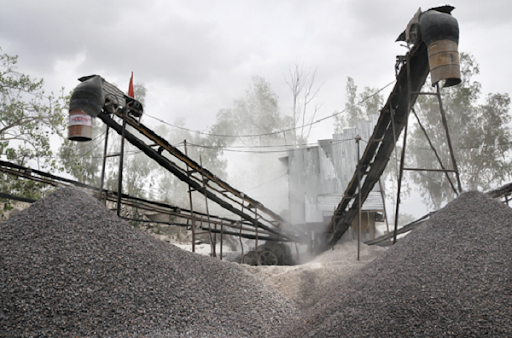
[302,84]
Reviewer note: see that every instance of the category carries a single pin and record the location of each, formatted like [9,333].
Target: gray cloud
[202,53]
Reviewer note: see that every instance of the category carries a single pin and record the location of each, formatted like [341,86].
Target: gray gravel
[69,267]
[451,277]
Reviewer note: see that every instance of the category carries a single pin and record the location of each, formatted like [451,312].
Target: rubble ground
[307,283]
[70,267]
[451,277]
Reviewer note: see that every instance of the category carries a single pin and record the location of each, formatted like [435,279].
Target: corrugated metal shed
[319,175]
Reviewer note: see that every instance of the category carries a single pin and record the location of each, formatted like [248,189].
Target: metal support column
[399,184]
[358,138]
[448,139]
[103,168]
[240,238]
[221,238]
[121,159]
[212,241]
[383,196]
[443,168]
[191,204]
[258,260]
[402,156]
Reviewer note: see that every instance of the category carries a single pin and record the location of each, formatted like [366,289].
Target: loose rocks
[69,267]
[306,284]
[449,278]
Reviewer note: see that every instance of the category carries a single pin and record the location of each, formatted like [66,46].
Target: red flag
[130,88]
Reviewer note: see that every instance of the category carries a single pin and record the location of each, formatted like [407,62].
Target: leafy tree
[359,106]
[28,119]
[139,91]
[83,160]
[168,188]
[137,173]
[257,113]
[479,133]
[254,120]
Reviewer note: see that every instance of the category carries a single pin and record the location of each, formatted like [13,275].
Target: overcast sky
[197,56]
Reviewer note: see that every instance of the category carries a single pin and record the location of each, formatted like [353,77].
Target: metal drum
[86,102]
[443,59]
[440,31]
[80,126]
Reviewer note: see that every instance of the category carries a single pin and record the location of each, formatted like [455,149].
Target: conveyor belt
[392,120]
[247,229]
[202,180]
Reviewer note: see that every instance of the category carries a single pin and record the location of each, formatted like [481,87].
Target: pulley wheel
[268,258]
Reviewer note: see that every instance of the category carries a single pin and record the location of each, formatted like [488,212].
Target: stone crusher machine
[432,38]
[96,98]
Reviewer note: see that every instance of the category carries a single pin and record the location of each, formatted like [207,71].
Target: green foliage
[479,132]
[83,159]
[28,119]
[206,149]
[257,113]
[359,106]
[27,116]
[139,91]
[137,170]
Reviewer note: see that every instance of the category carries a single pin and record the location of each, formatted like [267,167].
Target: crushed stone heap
[451,277]
[70,267]
[307,283]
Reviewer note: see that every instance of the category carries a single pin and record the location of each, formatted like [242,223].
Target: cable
[290,147]
[245,151]
[279,131]
[264,183]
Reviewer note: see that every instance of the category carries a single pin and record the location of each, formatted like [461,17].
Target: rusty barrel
[443,59]
[80,126]
[86,102]
[440,31]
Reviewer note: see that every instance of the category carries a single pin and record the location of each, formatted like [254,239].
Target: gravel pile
[306,284]
[451,277]
[70,267]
